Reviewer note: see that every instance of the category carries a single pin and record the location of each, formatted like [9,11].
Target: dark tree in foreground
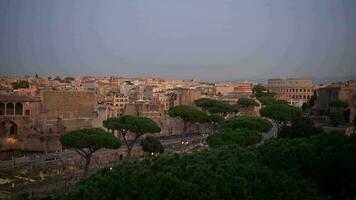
[301,127]
[268,100]
[205,103]
[319,167]
[189,115]
[338,104]
[281,114]
[222,108]
[133,126]
[247,103]
[215,106]
[259,124]
[215,120]
[86,141]
[152,145]
[241,137]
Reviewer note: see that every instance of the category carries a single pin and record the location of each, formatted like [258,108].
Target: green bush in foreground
[250,122]
[319,167]
[241,137]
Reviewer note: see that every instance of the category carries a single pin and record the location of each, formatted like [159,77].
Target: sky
[178,39]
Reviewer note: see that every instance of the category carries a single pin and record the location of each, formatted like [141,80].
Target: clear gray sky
[204,39]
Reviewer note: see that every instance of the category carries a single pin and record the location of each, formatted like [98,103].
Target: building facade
[36,123]
[295,91]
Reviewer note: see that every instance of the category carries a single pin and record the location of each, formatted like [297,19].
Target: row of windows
[12,109]
[121,105]
[122,100]
[297,96]
[294,90]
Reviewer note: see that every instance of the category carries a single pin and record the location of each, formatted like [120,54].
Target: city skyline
[207,40]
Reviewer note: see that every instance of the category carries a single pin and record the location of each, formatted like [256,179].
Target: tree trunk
[185,127]
[87,163]
[129,149]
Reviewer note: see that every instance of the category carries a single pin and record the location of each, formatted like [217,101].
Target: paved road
[68,154]
[272,133]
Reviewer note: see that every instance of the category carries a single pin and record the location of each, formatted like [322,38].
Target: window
[18,109]
[10,109]
[2,109]
[27,112]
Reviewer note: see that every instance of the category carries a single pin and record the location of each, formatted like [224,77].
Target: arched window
[2,109]
[10,109]
[13,128]
[2,129]
[18,109]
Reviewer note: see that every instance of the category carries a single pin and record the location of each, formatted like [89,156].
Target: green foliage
[188,114]
[91,138]
[319,167]
[247,103]
[279,169]
[336,118]
[241,137]
[152,145]
[267,100]
[261,91]
[20,84]
[142,125]
[215,119]
[205,103]
[281,112]
[328,159]
[338,104]
[301,127]
[323,112]
[120,124]
[250,122]
[258,89]
[215,106]
[86,141]
[222,107]
[128,124]
[138,125]
[68,79]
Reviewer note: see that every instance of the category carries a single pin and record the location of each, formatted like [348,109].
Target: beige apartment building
[119,103]
[294,90]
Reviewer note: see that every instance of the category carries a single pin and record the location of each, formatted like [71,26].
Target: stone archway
[8,128]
